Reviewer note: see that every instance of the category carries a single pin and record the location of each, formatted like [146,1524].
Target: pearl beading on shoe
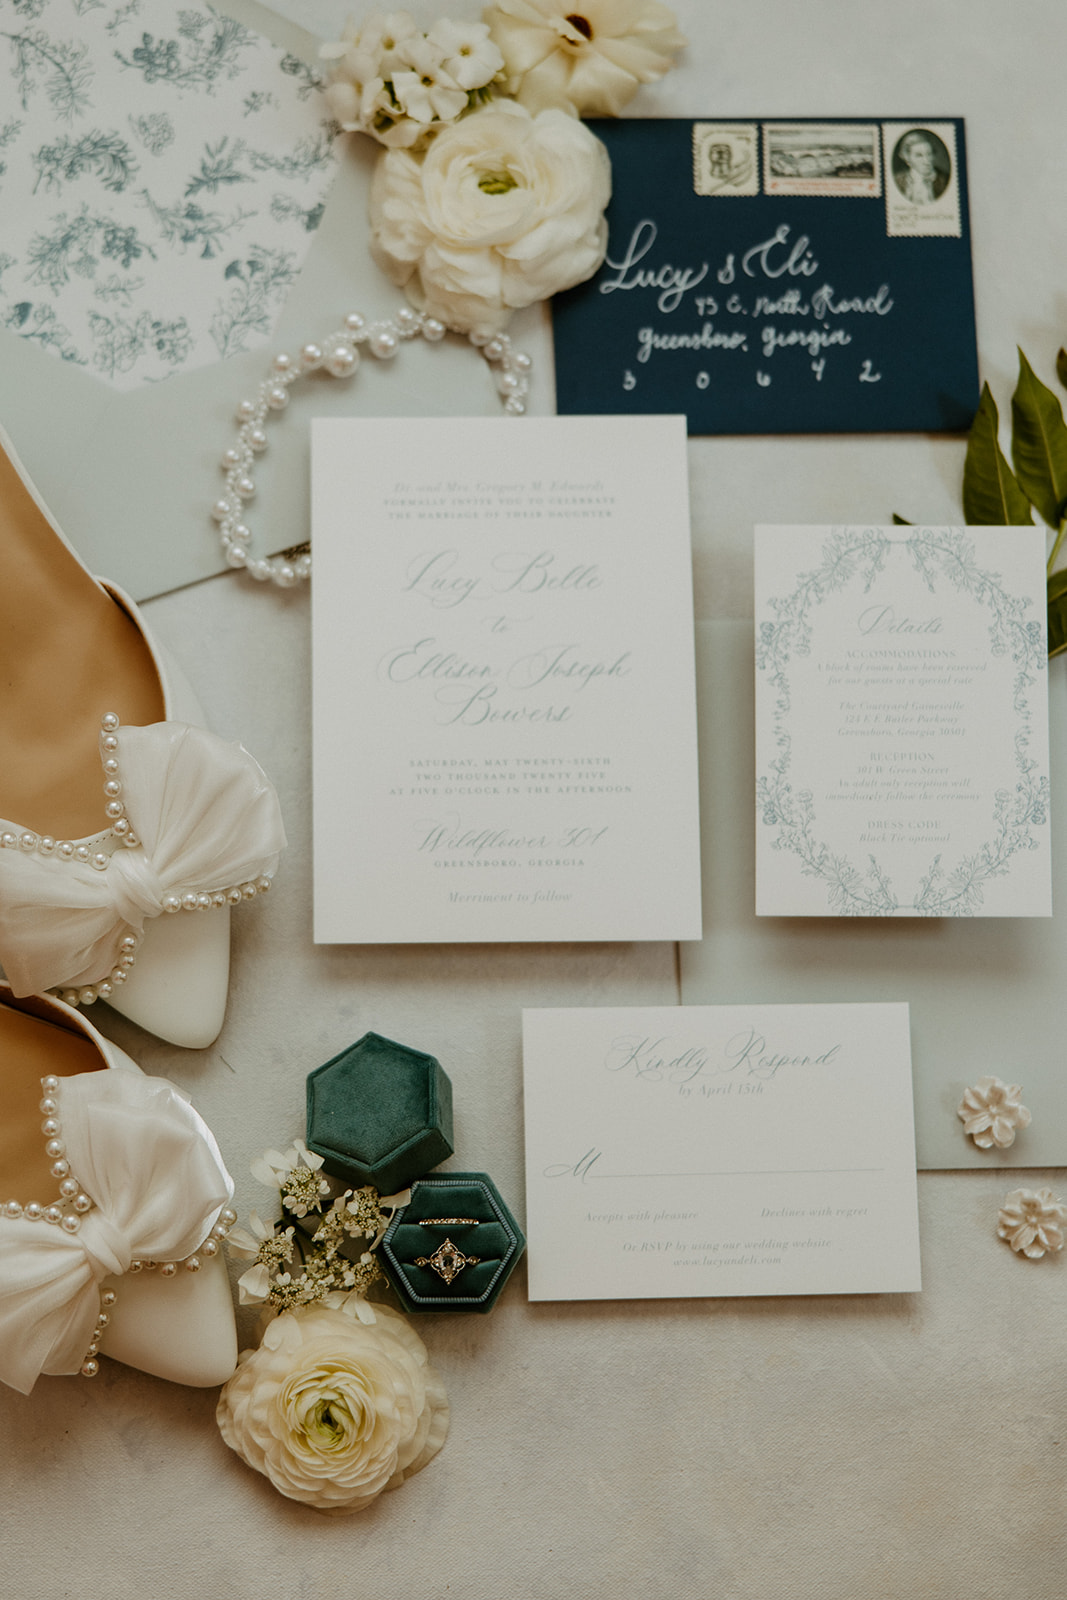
[120,828]
[70,1190]
[71,1194]
[337,355]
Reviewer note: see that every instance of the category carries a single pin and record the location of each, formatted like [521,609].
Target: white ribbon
[207,817]
[152,1166]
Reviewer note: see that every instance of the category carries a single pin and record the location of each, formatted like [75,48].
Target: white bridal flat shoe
[115,1202]
[106,852]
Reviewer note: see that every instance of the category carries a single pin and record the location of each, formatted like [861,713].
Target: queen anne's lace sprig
[323,1252]
[991,1111]
[1032,1221]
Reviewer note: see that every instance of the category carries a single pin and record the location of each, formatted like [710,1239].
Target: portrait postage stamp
[725,158]
[922,195]
[832,158]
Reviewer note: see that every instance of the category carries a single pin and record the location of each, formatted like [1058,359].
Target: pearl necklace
[337,355]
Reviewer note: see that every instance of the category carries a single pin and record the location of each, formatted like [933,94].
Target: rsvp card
[719,1150]
[902,763]
[503,681]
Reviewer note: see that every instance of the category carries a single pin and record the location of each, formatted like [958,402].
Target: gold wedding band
[447,1261]
[448,1222]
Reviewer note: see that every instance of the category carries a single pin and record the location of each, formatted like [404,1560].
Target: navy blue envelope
[799,276]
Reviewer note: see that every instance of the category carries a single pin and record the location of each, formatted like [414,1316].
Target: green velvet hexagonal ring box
[454,1246]
[379,1113]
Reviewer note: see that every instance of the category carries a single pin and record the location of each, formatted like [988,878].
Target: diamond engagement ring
[447,1261]
[448,1222]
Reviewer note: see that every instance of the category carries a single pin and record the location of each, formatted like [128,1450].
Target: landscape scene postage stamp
[832,158]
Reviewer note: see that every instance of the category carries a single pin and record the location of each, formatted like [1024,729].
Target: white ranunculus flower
[589,60]
[335,1409]
[503,210]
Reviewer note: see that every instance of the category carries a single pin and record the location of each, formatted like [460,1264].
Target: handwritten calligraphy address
[749,305]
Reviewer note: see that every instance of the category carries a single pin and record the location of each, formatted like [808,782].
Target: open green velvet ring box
[454,1246]
[379,1113]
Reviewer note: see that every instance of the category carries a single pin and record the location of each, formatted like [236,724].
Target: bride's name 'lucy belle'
[437,577]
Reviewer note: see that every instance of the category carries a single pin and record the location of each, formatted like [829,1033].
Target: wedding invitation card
[719,1150]
[808,275]
[902,763]
[983,993]
[503,681]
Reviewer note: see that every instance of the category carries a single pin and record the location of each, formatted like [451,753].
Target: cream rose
[333,1409]
[504,209]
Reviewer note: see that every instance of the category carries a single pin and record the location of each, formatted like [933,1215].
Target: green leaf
[1061,366]
[901,522]
[990,493]
[1057,613]
[1039,444]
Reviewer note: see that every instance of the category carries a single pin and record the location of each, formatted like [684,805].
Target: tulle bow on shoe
[158,1184]
[209,833]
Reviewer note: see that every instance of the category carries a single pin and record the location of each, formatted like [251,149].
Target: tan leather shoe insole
[68,654]
[31,1047]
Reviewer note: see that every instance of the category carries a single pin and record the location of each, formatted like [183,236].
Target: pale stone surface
[840,1449]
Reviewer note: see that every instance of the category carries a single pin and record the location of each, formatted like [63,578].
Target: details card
[802,276]
[902,765]
[504,704]
[719,1150]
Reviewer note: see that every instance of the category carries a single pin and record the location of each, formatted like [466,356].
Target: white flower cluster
[390,79]
[483,203]
[323,1268]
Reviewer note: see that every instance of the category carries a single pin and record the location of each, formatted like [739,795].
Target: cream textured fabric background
[878,1448]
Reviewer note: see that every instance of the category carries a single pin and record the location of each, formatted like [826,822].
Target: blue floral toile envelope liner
[793,276]
[163,168]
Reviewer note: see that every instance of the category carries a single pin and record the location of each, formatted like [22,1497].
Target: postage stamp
[922,195]
[725,158]
[832,158]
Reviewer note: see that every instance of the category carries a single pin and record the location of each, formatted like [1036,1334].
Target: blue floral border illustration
[852,554]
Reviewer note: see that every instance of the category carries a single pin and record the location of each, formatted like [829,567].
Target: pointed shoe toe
[118,868]
[179,985]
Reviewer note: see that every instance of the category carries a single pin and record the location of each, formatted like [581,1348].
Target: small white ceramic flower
[503,210]
[589,61]
[1031,1220]
[333,1407]
[991,1111]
